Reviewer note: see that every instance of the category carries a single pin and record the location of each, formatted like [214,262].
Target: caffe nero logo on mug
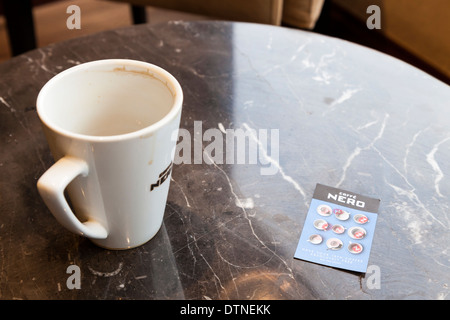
[162,177]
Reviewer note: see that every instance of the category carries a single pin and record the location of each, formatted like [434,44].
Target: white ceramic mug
[112,127]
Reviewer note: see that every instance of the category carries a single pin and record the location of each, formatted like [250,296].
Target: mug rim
[148,130]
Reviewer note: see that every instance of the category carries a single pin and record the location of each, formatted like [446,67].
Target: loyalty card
[339,229]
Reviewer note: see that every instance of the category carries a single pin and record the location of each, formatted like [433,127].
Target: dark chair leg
[19,20]
[138,13]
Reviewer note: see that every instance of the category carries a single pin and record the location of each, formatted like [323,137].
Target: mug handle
[51,187]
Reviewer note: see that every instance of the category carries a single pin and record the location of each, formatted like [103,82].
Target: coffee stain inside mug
[145,73]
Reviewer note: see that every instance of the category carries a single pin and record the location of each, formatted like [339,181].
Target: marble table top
[316,109]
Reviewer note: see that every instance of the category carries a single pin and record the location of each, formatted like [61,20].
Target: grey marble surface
[347,117]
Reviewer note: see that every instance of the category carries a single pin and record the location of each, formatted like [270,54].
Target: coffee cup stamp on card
[339,229]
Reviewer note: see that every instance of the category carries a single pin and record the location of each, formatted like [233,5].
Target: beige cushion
[260,11]
[302,13]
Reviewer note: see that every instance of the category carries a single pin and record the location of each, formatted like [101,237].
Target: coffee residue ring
[334,244]
[355,248]
[338,229]
[315,239]
[320,224]
[357,233]
[360,219]
[324,210]
[341,214]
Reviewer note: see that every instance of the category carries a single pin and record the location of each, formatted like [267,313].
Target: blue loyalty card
[338,229]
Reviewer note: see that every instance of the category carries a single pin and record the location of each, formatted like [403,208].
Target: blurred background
[416,31]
